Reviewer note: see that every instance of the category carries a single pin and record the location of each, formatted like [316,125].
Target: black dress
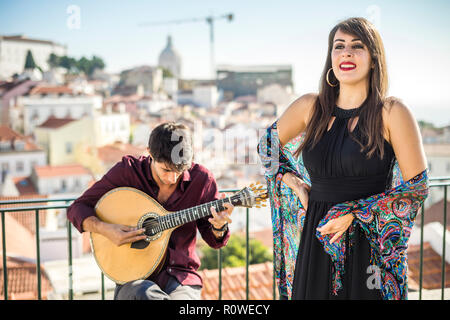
[339,172]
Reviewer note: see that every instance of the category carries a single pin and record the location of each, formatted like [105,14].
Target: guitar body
[132,207]
[128,206]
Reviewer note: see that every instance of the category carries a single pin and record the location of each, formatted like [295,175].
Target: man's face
[164,174]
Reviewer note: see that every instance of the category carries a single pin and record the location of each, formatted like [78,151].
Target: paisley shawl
[386,219]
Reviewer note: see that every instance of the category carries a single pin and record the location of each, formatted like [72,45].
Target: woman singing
[341,226]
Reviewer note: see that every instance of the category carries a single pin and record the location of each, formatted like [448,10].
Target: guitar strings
[178,215]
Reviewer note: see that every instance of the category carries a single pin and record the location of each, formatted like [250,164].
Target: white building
[279,95]
[110,127]
[170,59]
[155,103]
[142,80]
[18,154]
[43,102]
[70,180]
[171,86]
[205,96]
[13,51]
[438,157]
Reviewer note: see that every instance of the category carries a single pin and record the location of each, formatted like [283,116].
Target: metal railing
[434,182]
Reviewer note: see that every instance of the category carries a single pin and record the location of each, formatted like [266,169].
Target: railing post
[38,256]
[443,243]
[5,269]
[421,253]
[69,244]
[274,282]
[247,253]
[103,286]
[219,265]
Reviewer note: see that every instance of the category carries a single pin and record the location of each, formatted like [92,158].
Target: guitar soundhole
[151,226]
[150,222]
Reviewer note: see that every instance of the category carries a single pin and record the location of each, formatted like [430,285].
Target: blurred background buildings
[66,119]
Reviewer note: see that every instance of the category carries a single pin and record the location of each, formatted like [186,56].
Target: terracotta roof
[8,134]
[114,152]
[265,236]
[55,123]
[260,277]
[20,245]
[50,90]
[435,213]
[431,268]
[26,187]
[22,280]
[6,86]
[19,240]
[116,98]
[62,170]
[27,219]
[234,283]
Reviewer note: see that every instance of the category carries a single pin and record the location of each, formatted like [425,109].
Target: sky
[415,34]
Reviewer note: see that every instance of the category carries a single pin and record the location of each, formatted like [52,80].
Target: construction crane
[210,20]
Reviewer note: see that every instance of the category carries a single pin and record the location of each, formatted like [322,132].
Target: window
[77,185]
[19,166]
[63,185]
[68,147]
[5,166]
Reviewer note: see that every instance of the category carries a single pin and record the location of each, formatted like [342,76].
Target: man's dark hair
[171,143]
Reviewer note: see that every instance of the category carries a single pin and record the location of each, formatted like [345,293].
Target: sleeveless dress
[339,172]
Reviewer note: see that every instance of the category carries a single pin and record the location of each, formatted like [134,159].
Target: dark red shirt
[197,186]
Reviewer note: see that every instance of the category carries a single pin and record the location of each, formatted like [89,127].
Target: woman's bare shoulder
[295,118]
[395,110]
[405,137]
[395,113]
[304,105]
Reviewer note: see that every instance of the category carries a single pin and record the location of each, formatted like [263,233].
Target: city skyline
[283,32]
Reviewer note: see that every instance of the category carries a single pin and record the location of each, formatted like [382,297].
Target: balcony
[429,276]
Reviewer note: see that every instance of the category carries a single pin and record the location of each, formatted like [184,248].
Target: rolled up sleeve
[211,193]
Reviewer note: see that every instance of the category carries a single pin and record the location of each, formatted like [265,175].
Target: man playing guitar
[170,176]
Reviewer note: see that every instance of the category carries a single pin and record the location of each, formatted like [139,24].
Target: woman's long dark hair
[370,115]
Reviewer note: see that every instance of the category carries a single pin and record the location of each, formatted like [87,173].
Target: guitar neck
[181,217]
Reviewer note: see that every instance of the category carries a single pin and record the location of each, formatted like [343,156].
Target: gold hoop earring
[328,80]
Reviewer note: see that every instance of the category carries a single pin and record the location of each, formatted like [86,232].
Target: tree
[29,61]
[167,73]
[96,63]
[425,124]
[67,63]
[233,254]
[53,60]
[85,65]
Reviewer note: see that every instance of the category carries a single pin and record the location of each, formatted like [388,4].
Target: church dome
[170,59]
